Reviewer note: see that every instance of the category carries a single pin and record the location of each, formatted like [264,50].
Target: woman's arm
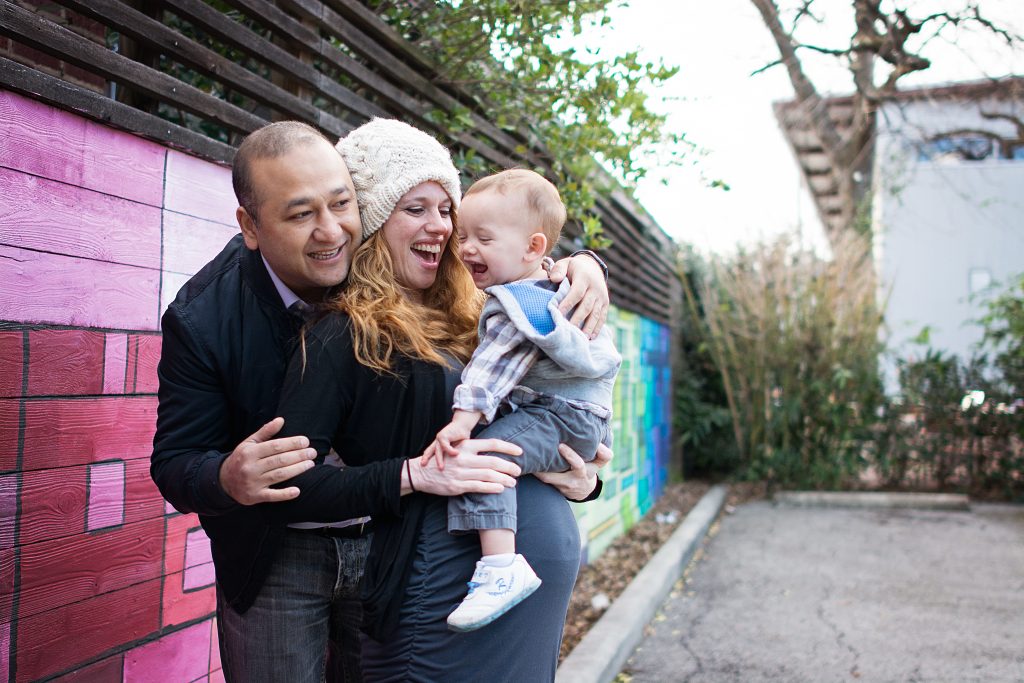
[588,291]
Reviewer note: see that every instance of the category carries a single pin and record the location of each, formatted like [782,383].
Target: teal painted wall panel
[641,430]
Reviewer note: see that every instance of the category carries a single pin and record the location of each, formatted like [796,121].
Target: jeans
[308,605]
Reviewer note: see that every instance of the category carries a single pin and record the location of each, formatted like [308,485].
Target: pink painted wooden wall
[100,580]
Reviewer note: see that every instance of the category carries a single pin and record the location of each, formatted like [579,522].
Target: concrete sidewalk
[787,593]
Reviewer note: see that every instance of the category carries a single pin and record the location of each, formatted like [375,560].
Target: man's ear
[248,226]
[537,247]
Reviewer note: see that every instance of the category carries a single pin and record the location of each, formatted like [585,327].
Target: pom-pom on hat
[387,158]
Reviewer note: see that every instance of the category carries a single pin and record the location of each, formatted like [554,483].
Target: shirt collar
[287,295]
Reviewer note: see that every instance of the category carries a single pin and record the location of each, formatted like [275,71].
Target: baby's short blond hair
[539,195]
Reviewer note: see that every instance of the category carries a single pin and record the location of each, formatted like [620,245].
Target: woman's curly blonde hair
[384,321]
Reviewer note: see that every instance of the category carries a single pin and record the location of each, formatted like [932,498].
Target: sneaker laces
[480,577]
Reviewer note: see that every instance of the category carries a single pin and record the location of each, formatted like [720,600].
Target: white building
[946,179]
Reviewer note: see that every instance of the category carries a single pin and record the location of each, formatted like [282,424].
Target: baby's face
[494,238]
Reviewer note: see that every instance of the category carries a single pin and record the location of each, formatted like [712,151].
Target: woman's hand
[588,292]
[466,472]
[581,478]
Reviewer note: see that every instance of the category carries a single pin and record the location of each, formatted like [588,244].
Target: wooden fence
[192,76]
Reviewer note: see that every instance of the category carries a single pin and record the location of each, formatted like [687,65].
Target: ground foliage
[786,344]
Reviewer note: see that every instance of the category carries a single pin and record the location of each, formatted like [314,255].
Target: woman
[376,380]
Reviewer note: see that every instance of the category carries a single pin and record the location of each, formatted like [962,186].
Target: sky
[721,107]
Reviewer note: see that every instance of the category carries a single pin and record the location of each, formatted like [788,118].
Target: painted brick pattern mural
[100,579]
[641,433]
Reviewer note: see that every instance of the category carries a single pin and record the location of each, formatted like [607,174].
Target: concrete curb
[873,499]
[601,654]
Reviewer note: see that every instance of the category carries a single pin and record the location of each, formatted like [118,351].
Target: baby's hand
[443,444]
[452,433]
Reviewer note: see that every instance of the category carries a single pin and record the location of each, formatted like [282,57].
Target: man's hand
[261,461]
[588,292]
[466,472]
[580,479]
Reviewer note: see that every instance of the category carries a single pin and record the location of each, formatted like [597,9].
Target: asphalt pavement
[792,593]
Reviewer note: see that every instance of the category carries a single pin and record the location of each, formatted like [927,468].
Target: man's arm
[193,464]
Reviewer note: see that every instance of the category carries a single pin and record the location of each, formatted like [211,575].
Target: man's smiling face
[307,227]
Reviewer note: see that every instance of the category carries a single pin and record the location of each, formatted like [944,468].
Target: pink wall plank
[55,641]
[199,576]
[174,658]
[217,676]
[115,355]
[180,606]
[61,290]
[45,215]
[104,671]
[106,495]
[172,282]
[11,363]
[214,646]
[74,568]
[9,510]
[7,557]
[64,362]
[199,188]
[197,548]
[149,346]
[10,410]
[53,501]
[190,242]
[5,652]
[48,142]
[62,432]
[198,561]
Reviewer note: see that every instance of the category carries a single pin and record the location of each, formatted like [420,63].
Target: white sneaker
[492,592]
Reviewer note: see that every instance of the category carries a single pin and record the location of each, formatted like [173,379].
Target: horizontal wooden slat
[36,31]
[54,501]
[85,102]
[45,215]
[63,290]
[54,641]
[238,36]
[152,33]
[67,570]
[63,432]
[37,139]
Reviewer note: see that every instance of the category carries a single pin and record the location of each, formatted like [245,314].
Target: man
[284,586]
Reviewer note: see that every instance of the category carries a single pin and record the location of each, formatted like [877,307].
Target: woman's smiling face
[416,234]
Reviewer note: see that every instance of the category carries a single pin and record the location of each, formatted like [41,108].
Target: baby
[535,378]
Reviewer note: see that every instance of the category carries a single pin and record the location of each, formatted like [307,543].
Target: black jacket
[226,342]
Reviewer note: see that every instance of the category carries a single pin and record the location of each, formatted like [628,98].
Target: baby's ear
[537,247]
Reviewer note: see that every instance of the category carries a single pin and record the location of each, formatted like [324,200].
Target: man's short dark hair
[269,142]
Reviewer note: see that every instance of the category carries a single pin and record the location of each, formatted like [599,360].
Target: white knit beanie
[387,158]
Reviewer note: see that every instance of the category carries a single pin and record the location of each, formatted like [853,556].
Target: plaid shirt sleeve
[502,359]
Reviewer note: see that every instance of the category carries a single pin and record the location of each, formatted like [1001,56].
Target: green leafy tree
[586,117]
